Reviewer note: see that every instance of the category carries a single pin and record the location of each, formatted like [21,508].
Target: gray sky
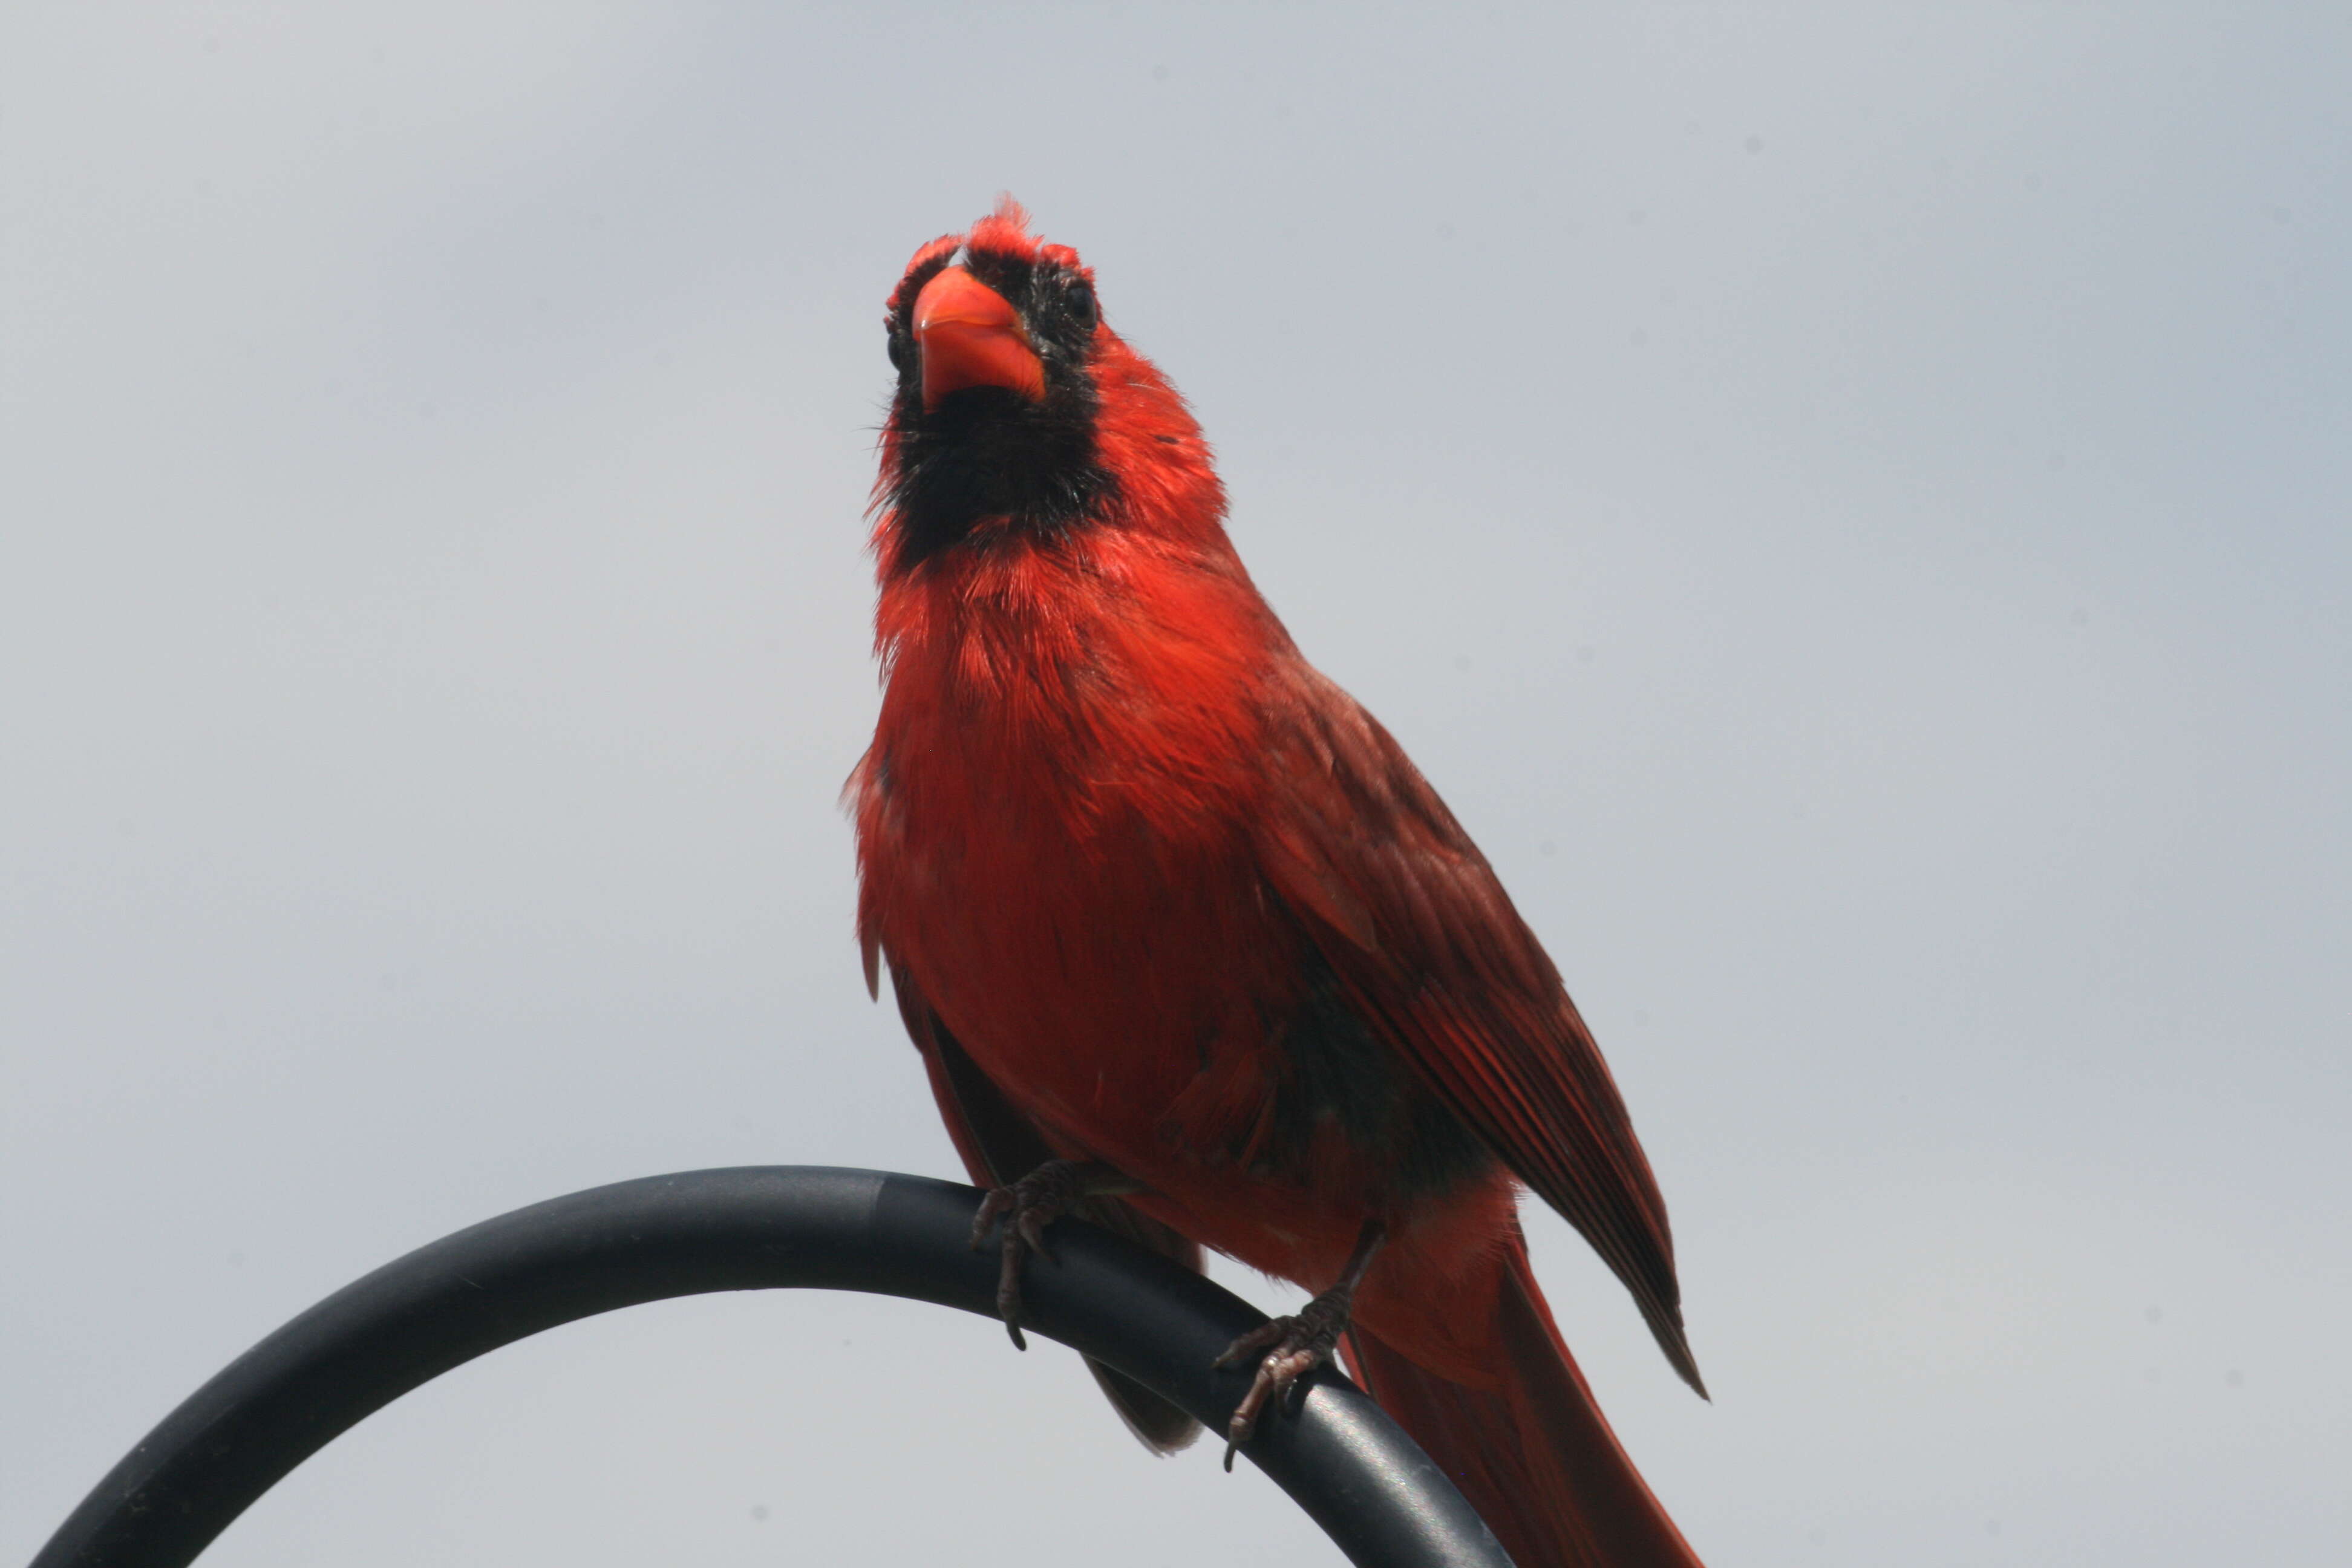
[1850,509]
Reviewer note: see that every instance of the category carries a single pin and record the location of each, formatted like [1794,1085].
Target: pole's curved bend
[1381,1500]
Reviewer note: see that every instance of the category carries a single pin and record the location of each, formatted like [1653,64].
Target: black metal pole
[1379,1497]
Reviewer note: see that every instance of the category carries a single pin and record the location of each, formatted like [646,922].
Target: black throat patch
[987,452]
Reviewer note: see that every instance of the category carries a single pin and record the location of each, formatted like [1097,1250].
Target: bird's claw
[1292,1348]
[1028,1207]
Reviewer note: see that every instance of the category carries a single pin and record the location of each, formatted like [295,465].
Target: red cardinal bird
[1188,946]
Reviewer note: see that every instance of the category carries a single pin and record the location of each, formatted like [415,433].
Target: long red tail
[1536,1459]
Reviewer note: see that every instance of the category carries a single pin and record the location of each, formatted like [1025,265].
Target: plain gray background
[1850,506]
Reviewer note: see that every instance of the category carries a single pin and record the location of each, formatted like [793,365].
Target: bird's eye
[1078,298]
[899,346]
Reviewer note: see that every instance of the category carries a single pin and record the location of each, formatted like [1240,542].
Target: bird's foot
[1287,1348]
[1028,1207]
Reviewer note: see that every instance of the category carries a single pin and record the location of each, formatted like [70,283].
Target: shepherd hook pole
[1380,1499]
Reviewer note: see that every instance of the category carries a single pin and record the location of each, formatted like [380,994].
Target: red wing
[999,1145]
[1427,944]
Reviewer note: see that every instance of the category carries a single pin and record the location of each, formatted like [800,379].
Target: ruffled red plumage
[1169,899]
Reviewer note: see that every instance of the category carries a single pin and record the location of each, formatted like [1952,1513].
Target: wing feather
[999,1145]
[1414,921]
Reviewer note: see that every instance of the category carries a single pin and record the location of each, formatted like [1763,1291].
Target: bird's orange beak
[971,336]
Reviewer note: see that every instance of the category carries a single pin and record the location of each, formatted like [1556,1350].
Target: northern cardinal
[1188,946]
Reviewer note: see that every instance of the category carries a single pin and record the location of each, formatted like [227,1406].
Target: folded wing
[1430,948]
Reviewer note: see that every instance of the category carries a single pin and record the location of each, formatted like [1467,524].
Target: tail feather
[1160,1426]
[1535,1458]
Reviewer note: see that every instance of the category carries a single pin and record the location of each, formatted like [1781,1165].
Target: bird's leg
[1295,1346]
[1029,1205]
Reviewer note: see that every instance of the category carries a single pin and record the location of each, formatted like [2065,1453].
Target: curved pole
[1379,1497]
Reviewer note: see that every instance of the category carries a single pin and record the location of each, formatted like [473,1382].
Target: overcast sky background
[1853,509]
